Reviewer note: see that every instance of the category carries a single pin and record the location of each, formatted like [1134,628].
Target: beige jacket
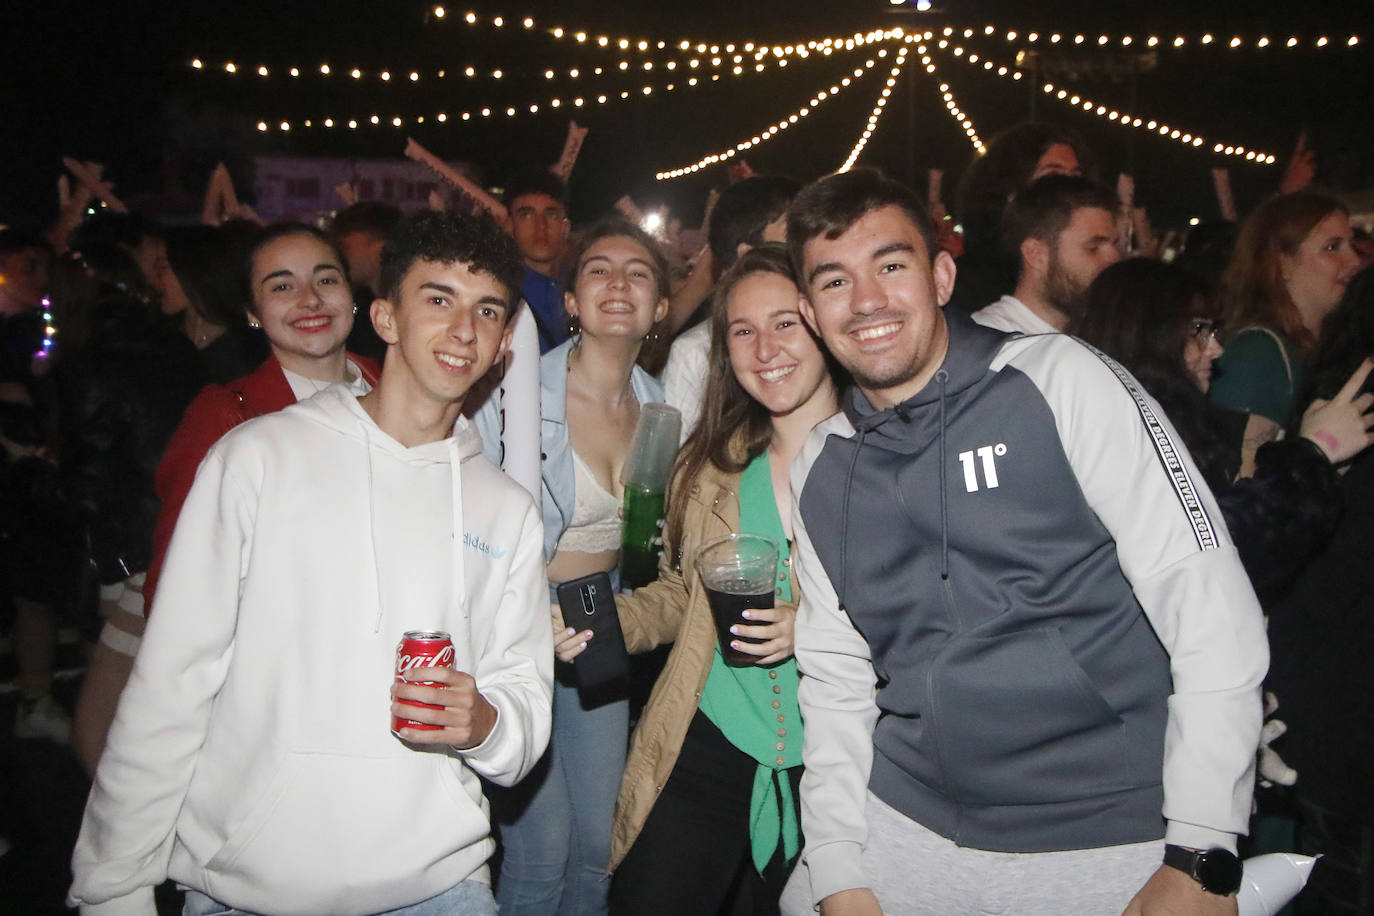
[673,609]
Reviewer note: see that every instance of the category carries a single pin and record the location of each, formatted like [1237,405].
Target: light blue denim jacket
[559,494]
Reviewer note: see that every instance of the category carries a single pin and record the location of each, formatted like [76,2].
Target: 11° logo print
[987,460]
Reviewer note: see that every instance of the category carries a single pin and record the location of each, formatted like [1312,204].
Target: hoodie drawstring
[459,571]
[372,529]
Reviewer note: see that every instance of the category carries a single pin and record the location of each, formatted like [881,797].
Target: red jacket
[215,411]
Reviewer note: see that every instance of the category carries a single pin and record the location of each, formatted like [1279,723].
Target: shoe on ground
[41,717]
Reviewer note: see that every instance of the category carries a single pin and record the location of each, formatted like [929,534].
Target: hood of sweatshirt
[338,409]
[919,421]
[912,425]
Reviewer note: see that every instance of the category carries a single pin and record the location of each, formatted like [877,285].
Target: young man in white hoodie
[251,758]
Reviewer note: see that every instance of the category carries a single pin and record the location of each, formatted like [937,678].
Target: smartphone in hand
[588,603]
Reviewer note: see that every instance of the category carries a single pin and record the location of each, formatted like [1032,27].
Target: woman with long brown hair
[1292,264]
[707,816]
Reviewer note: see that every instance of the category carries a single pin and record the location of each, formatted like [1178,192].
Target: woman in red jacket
[300,298]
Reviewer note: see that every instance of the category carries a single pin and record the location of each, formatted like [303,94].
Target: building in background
[306,188]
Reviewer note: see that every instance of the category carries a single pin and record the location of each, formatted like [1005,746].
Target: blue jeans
[466,898]
[555,826]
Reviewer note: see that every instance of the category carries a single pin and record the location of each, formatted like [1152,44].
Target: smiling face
[302,298]
[776,360]
[445,332]
[874,297]
[615,292]
[1318,273]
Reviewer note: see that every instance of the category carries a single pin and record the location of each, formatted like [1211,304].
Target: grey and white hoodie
[1024,624]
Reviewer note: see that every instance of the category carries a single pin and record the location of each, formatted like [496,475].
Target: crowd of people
[1067,541]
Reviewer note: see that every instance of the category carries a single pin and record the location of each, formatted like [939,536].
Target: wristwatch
[1217,870]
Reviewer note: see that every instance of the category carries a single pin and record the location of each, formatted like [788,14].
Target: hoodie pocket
[331,826]
[1020,723]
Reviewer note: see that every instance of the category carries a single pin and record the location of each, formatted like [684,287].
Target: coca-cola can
[420,649]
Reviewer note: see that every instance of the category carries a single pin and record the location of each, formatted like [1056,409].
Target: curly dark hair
[448,238]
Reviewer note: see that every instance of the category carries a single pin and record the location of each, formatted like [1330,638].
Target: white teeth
[456,362]
[879,331]
[313,322]
[772,375]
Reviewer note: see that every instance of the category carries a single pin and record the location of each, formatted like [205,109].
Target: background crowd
[130,344]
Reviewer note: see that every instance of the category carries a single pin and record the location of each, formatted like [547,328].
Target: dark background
[112,83]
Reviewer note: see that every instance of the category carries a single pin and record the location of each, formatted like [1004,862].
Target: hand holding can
[448,709]
[431,703]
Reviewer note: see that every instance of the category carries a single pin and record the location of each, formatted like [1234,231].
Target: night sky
[112,83]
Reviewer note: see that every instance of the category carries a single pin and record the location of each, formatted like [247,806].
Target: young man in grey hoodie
[1031,656]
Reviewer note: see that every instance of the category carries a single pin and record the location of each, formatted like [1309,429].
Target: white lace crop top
[595,525]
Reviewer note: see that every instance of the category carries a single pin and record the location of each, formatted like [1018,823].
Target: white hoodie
[251,756]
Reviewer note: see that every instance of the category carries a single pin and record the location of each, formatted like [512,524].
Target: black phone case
[588,603]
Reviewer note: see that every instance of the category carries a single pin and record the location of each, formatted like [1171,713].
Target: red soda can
[421,649]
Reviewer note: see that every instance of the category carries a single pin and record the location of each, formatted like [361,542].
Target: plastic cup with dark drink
[739,573]
[645,477]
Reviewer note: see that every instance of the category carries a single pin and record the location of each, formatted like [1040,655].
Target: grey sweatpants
[916,872]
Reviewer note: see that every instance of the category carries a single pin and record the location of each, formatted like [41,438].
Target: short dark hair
[535,181]
[377,220]
[836,202]
[449,238]
[270,234]
[744,210]
[613,227]
[1044,209]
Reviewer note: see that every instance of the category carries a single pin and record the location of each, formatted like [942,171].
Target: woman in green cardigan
[707,818]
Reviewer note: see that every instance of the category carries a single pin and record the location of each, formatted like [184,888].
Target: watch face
[1219,872]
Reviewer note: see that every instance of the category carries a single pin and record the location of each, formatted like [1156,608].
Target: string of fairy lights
[737,57]
[510,111]
[732,55]
[1206,39]
[736,63]
[687,63]
[1126,119]
[951,104]
[877,114]
[763,136]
